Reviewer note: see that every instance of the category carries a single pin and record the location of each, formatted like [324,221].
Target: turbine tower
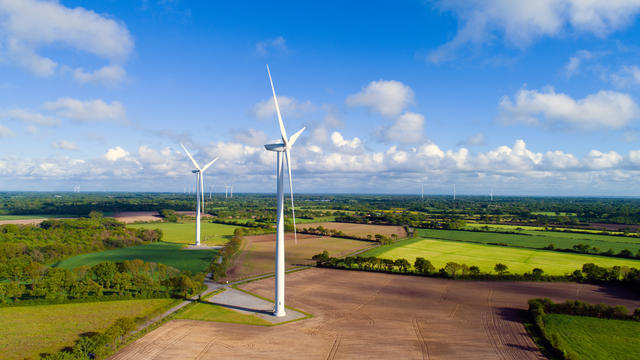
[281,147]
[199,187]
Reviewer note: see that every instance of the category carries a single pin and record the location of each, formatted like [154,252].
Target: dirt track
[381,316]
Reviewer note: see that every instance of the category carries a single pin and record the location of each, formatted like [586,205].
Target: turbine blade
[294,137]
[283,132]
[209,164]
[293,209]
[190,157]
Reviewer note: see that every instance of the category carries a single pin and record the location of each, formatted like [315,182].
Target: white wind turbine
[199,189]
[279,148]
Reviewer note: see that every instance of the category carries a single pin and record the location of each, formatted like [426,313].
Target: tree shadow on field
[512,314]
[618,292]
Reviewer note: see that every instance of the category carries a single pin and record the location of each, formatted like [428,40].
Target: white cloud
[116,154]
[30,117]
[288,107]
[634,157]
[519,23]
[64,145]
[514,158]
[5,132]
[604,109]
[107,74]
[340,142]
[626,76]
[575,61]
[29,25]
[477,139]
[275,45]
[87,111]
[598,160]
[386,97]
[561,160]
[408,128]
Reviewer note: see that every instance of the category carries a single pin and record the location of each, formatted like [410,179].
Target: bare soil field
[257,255]
[193,214]
[360,230]
[22,221]
[376,316]
[129,217]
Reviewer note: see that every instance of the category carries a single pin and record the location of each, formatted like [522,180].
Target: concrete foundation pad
[251,305]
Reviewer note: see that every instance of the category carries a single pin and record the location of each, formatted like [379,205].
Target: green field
[27,331]
[185,233]
[594,338]
[210,312]
[170,254]
[537,239]
[518,260]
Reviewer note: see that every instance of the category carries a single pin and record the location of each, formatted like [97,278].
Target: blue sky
[537,98]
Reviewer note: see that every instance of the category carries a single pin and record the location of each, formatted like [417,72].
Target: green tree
[500,268]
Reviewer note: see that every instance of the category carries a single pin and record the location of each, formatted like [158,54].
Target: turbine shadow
[241,308]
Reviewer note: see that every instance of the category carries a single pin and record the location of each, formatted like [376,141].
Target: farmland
[359,230]
[210,312]
[373,315]
[185,233]
[257,256]
[594,338]
[170,254]
[537,239]
[27,331]
[519,260]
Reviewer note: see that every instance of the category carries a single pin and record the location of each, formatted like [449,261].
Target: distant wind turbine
[282,147]
[454,191]
[199,187]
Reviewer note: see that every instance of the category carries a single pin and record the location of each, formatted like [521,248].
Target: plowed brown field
[361,230]
[359,315]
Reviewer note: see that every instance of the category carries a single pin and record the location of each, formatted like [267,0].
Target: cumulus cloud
[340,142]
[385,97]
[331,168]
[598,160]
[116,154]
[29,25]
[407,128]
[626,76]
[5,132]
[604,109]
[30,117]
[271,46]
[519,23]
[87,111]
[477,139]
[107,74]
[64,145]
[288,107]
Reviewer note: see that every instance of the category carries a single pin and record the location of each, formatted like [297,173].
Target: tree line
[590,272]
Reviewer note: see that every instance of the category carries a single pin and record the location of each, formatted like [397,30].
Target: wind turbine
[279,148]
[422,194]
[199,186]
[454,191]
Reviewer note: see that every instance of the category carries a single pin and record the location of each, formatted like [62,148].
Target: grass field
[37,216]
[185,233]
[27,331]
[518,260]
[210,312]
[537,239]
[593,338]
[169,254]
